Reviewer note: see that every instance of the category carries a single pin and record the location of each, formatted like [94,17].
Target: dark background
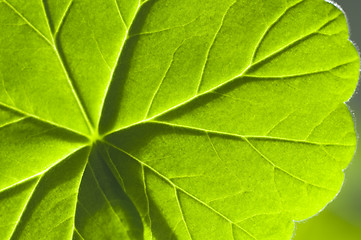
[341,219]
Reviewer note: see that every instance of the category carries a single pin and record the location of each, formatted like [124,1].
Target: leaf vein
[211,46]
[28,22]
[126,36]
[181,212]
[42,172]
[103,193]
[79,234]
[41,119]
[180,189]
[62,20]
[54,47]
[147,199]
[120,15]
[250,136]
[220,159]
[285,171]
[162,80]
[292,43]
[25,207]
[13,122]
[270,27]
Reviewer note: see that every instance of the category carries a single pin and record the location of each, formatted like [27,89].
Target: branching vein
[52,43]
[181,189]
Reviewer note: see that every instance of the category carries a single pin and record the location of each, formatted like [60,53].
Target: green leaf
[166,119]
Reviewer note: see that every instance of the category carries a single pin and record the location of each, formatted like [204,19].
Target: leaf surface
[171,119]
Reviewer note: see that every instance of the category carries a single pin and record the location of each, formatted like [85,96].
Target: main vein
[126,37]
[252,64]
[66,71]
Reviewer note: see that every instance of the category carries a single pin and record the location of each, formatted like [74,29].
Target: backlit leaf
[166,119]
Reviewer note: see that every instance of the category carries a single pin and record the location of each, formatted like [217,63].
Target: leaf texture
[165,119]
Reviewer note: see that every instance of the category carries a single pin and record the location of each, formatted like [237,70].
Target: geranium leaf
[165,119]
